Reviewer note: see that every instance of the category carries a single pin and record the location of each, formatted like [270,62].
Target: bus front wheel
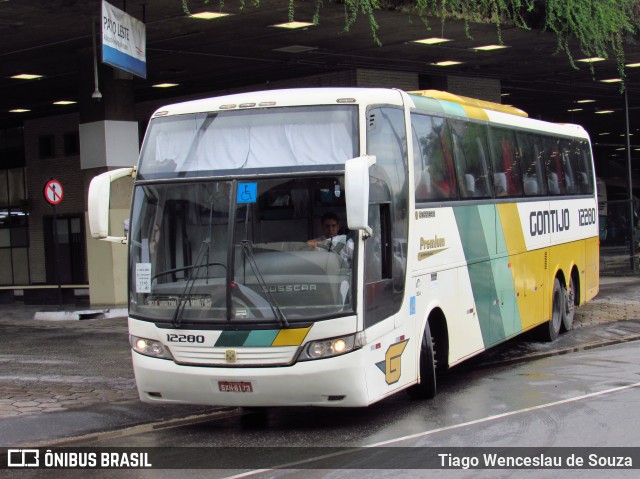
[426,389]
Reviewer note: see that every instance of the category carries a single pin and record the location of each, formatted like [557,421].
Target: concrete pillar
[108,140]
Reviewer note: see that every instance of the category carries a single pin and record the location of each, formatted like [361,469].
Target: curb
[138,429]
[80,315]
[559,352]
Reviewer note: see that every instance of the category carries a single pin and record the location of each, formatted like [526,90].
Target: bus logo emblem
[230,356]
[391,364]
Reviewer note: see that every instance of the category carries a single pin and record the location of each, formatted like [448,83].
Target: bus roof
[429,100]
[285,97]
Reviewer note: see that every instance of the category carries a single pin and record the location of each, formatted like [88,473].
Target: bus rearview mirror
[356,182]
[98,204]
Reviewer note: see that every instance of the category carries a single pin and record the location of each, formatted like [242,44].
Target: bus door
[385,273]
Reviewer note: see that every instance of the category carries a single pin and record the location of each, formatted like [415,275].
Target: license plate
[235,386]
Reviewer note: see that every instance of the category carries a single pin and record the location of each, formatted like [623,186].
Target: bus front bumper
[333,382]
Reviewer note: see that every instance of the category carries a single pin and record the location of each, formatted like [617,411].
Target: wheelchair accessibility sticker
[247,193]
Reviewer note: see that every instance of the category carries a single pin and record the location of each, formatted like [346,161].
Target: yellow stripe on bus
[527,268]
[291,337]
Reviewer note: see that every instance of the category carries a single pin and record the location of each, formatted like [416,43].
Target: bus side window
[531,148]
[567,167]
[580,158]
[505,163]
[434,169]
[553,165]
[421,179]
[471,158]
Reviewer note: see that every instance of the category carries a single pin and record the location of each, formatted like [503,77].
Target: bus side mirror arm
[98,204]
[356,185]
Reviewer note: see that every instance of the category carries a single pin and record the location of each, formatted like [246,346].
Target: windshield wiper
[247,247]
[191,280]
[187,268]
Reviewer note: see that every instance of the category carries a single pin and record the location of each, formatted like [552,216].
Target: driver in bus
[331,240]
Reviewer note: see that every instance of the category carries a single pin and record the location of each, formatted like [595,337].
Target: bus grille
[243,356]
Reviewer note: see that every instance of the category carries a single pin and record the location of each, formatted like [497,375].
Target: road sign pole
[56,255]
[53,193]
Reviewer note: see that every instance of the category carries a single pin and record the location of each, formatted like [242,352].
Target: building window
[12,147]
[72,143]
[14,228]
[46,146]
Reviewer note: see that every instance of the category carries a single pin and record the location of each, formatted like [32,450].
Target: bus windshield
[239,251]
[244,141]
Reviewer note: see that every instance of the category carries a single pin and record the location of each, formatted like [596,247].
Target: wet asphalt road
[583,399]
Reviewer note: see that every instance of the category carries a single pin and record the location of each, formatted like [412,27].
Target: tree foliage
[596,27]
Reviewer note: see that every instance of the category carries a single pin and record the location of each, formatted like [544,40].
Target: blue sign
[247,193]
[412,305]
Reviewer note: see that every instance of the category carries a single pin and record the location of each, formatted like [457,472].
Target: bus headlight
[149,347]
[327,348]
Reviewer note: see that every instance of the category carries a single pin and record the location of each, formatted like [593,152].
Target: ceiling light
[26,76]
[585,101]
[575,109]
[293,25]
[446,63]
[432,41]
[620,149]
[505,94]
[19,110]
[591,59]
[632,65]
[487,48]
[165,85]
[64,102]
[603,112]
[612,80]
[602,134]
[208,15]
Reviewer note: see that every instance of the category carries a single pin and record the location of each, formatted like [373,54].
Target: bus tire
[569,309]
[426,389]
[549,331]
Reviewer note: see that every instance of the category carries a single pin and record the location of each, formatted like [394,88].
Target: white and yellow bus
[467,224]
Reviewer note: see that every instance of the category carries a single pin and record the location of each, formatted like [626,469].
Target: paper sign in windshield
[143,277]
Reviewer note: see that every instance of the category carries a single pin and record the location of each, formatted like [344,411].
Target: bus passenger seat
[530,186]
[500,183]
[584,180]
[554,185]
[423,185]
[569,183]
[470,184]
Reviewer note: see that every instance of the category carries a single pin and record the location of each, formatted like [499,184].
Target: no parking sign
[53,192]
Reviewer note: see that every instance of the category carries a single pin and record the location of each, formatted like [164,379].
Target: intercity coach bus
[469,224]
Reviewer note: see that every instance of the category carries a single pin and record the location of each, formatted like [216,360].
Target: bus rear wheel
[549,331]
[426,389]
[569,306]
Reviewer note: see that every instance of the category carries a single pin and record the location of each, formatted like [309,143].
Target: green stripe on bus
[429,104]
[262,338]
[232,338]
[474,238]
[453,108]
[490,272]
[503,272]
